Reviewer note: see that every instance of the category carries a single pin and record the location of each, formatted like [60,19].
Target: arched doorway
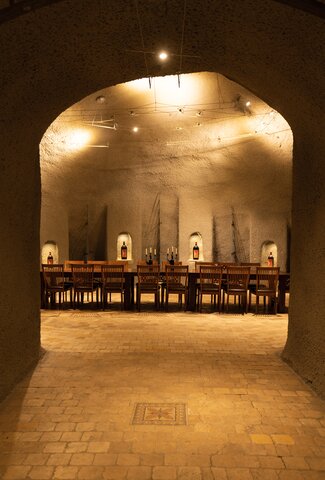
[42,78]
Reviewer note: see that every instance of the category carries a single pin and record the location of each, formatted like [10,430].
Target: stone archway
[66,51]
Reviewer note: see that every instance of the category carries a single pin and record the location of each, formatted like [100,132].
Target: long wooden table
[129,300]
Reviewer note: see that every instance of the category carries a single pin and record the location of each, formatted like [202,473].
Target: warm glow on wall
[173,91]
[77,139]
[170,90]
[141,84]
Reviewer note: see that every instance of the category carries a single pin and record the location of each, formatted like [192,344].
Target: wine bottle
[124,251]
[50,258]
[270,260]
[196,251]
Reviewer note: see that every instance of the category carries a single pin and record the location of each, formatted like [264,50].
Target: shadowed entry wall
[63,52]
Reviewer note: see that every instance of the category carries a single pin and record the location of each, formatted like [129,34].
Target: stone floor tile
[261,439]
[264,474]
[115,473]
[219,473]
[296,463]
[65,473]
[176,459]
[151,459]
[105,459]
[36,459]
[51,436]
[82,459]
[128,459]
[71,437]
[316,463]
[55,447]
[98,447]
[76,447]
[139,473]
[239,474]
[90,473]
[164,473]
[189,473]
[273,462]
[59,459]
[41,473]
[283,439]
[12,458]
[16,473]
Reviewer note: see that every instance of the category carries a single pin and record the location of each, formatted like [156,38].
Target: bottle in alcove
[196,251]
[50,258]
[270,260]
[124,251]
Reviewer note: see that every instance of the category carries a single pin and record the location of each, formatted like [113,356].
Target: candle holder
[149,257]
[171,257]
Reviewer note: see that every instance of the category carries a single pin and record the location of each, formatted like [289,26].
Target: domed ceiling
[158,126]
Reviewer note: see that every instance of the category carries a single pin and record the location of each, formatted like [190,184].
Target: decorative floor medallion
[159,414]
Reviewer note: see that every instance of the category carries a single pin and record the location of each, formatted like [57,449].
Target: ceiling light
[135,129]
[101,99]
[163,56]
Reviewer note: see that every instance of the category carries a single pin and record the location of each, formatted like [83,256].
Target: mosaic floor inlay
[159,414]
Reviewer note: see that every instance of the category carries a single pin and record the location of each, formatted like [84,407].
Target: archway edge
[66,51]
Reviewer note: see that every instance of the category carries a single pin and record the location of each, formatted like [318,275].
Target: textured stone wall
[57,55]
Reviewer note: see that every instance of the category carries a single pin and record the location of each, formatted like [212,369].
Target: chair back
[113,275]
[164,263]
[250,264]
[199,264]
[237,277]
[148,275]
[225,265]
[210,275]
[125,263]
[267,278]
[83,275]
[53,275]
[177,275]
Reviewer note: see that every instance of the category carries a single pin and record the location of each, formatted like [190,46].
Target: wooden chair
[199,264]
[112,282]
[83,282]
[163,277]
[177,283]
[148,283]
[210,283]
[237,285]
[266,286]
[54,282]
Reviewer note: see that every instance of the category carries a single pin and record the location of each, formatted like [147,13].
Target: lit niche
[268,250]
[196,247]
[50,252]
[124,246]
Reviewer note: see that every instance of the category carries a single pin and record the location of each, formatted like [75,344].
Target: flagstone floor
[162,396]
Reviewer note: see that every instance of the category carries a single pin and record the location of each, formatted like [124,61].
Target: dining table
[193,278]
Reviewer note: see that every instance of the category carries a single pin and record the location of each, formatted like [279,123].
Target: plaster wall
[63,52]
[55,227]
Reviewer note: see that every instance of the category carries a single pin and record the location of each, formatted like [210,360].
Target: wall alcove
[126,239]
[196,240]
[50,246]
[267,248]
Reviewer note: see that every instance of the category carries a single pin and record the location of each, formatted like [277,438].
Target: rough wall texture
[64,52]
[196,144]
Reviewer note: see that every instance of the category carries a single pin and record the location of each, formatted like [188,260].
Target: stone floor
[159,396]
